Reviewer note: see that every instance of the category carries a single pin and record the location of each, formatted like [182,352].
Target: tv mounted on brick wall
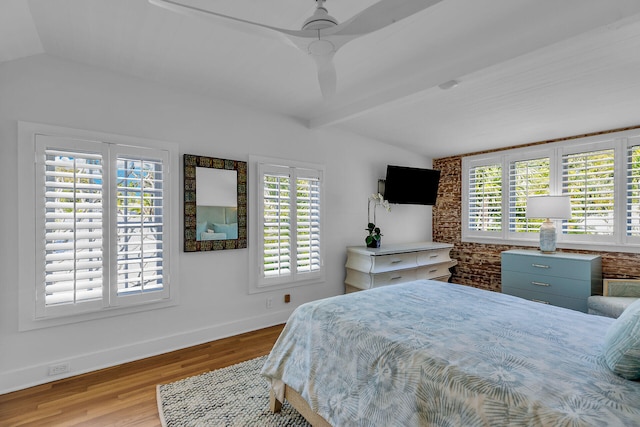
[411,186]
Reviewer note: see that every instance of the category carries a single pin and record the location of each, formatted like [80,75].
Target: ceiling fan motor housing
[319,20]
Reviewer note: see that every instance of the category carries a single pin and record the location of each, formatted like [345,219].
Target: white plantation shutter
[100,210]
[290,224]
[485,198]
[633,189]
[139,201]
[527,178]
[71,196]
[588,178]
[308,223]
[277,223]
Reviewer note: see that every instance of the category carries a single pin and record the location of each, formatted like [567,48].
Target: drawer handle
[540,301]
[397,261]
[539,266]
[433,271]
[396,278]
[540,284]
[433,256]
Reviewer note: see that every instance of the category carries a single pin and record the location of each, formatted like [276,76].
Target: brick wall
[479,264]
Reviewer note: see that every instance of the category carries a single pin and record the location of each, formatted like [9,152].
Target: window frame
[30,316]
[257,281]
[619,141]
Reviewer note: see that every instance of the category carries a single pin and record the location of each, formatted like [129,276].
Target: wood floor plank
[125,395]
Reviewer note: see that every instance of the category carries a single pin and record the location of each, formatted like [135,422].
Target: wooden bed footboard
[299,404]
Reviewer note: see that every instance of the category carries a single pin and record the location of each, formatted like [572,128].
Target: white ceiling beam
[414,81]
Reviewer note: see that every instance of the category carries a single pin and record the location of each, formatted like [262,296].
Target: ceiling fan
[321,35]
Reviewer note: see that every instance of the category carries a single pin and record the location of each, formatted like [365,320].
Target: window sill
[581,246]
[256,289]
[28,324]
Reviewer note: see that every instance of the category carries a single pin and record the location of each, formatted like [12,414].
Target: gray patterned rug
[235,396]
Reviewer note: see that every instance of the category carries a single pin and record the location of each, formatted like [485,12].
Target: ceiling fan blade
[380,15]
[326,75]
[236,23]
[320,43]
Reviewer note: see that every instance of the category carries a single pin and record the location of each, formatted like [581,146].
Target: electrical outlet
[60,368]
[269,302]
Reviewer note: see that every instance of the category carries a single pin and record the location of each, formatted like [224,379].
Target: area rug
[236,396]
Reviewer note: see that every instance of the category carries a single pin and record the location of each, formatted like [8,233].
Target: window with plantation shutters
[527,178]
[600,174]
[588,177]
[101,232]
[289,222]
[485,198]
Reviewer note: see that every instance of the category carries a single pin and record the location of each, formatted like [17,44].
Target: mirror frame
[191,162]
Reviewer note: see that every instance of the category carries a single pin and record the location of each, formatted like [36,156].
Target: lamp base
[547,237]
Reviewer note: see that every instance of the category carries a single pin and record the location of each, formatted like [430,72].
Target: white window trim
[27,271]
[620,141]
[256,282]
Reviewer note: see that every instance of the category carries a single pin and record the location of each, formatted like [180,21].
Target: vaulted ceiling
[527,70]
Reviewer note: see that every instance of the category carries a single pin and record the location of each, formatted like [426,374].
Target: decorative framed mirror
[215,204]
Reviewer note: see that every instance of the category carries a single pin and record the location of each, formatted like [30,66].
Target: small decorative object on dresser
[562,279]
[371,268]
[374,239]
[548,207]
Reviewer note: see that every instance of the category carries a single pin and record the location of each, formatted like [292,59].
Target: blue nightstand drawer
[545,298]
[547,284]
[550,265]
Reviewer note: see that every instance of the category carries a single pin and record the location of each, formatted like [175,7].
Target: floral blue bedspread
[428,353]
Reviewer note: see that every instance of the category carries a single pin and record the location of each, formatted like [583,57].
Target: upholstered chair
[617,294]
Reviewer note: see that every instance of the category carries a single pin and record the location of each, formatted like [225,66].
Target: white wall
[214,301]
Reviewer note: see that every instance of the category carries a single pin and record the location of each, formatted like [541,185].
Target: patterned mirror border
[190,243]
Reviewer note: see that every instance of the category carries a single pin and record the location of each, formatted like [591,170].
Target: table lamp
[548,207]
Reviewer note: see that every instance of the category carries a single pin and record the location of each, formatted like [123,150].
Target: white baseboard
[39,374]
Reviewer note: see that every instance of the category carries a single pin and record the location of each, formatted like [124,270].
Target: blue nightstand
[561,279]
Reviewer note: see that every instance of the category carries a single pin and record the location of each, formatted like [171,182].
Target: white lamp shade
[552,207]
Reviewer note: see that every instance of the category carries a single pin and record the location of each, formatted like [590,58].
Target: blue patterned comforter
[428,353]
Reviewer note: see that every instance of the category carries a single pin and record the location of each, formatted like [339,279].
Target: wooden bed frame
[299,404]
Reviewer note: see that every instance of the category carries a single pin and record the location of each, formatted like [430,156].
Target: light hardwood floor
[125,395]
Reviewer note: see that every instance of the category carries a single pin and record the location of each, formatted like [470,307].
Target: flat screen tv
[411,186]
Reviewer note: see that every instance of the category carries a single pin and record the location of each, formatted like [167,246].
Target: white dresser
[392,264]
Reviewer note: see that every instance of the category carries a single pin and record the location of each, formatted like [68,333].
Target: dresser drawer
[382,263]
[367,281]
[547,266]
[433,257]
[433,271]
[393,277]
[546,298]
[548,284]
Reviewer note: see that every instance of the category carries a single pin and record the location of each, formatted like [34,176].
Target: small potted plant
[374,238]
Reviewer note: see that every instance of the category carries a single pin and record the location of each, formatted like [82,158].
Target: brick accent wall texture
[479,264]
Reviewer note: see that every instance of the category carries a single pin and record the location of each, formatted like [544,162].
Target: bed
[428,353]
